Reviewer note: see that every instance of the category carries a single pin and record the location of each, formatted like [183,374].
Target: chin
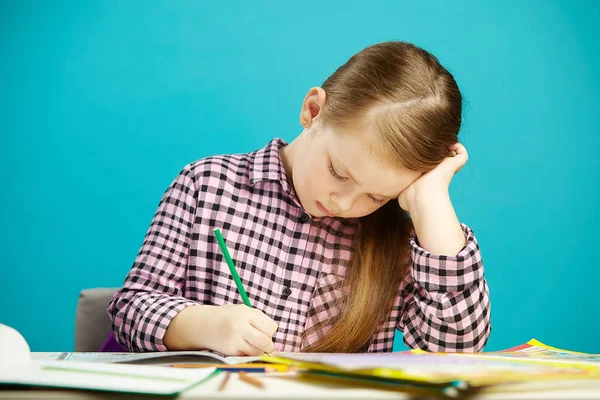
[303,203]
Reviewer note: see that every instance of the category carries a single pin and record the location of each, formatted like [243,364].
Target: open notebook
[18,368]
[153,358]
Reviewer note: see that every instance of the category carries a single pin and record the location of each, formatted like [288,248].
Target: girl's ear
[313,104]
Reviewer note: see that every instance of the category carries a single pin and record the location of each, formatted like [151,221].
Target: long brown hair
[413,105]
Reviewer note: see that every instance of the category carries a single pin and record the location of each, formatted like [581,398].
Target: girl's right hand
[233,330]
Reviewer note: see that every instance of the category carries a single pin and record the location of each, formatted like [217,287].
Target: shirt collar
[267,165]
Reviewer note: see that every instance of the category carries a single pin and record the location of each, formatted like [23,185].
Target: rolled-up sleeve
[446,305]
[152,294]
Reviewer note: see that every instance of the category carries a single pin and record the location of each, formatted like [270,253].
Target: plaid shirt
[291,265]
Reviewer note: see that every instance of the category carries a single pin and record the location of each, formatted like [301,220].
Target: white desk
[287,388]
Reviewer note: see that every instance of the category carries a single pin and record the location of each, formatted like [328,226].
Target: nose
[341,203]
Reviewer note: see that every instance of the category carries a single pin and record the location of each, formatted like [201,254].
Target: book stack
[533,366]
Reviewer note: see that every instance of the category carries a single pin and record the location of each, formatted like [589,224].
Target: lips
[324,210]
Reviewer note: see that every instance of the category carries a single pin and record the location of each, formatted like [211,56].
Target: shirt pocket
[324,309]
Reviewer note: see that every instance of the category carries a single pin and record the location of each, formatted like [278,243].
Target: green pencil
[236,277]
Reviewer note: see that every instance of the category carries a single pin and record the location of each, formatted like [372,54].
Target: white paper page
[169,357]
[107,377]
[421,364]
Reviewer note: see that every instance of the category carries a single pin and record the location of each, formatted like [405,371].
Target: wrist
[422,200]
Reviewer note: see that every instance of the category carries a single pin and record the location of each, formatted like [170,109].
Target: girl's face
[335,174]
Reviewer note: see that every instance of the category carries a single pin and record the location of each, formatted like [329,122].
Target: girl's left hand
[435,182]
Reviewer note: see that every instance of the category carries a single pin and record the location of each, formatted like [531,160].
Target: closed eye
[335,174]
[378,201]
[343,179]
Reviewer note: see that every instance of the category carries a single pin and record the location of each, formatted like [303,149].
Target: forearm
[447,300]
[140,318]
[436,225]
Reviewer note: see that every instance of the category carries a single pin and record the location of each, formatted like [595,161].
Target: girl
[340,237]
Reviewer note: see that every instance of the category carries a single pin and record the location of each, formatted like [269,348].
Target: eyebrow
[347,172]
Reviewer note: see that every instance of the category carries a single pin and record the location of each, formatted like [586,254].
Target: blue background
[103,103]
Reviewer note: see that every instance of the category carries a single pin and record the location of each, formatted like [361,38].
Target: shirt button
[286,292]
[304,218]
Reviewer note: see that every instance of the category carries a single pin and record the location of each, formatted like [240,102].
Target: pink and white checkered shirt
[292,265]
